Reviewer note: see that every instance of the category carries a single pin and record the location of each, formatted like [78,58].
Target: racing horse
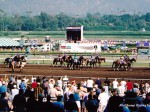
[91,62]
[116,64]
[127,64]
[73,64]
[18,62]
[7,62]
[99,60]
[82,61]
[60,60]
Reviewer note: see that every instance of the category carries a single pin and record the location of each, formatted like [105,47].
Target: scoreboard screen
[74,33]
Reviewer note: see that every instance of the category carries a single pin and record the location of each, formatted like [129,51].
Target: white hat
[14,86]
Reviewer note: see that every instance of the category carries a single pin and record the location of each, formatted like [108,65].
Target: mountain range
[74,7]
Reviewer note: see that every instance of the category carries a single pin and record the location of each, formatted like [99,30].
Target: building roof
[8,42]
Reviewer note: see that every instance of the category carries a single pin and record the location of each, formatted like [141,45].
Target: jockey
[81,57]
[91,57]
[126,57]
[75,58]
[64,55]
[59,57]
[17,58]
[121,59]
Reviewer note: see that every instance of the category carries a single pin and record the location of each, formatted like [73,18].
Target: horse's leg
[21,69]
[53,63]
[113,65]
[129,66]
[12,68]
[100,64]
[119,67]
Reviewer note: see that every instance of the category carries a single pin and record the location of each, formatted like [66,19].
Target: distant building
[8,42]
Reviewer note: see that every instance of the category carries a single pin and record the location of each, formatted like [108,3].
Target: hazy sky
[75,7]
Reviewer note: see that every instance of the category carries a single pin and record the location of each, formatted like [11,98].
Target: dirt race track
[102,72]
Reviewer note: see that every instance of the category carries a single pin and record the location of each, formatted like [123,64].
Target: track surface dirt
[102,72]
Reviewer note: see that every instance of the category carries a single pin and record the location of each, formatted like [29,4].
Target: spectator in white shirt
[123,82]
[90,84]
[121,90]
[59,82]
[115,84]
[103,100]
[65,82]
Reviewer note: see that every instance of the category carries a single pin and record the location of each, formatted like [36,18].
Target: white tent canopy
[8,42]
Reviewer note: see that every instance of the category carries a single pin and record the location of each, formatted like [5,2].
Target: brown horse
[116,65]
[18,64]
[99,60]
[127,64]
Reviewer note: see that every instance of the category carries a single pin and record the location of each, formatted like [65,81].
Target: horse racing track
[78,75]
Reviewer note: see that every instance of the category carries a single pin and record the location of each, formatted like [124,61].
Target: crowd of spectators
[43,94]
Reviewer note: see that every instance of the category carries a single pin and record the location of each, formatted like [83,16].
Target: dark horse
[60,60]
[7,62]
[74,64]
[117,64]
[19,62]
[99,60]
[81,60]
